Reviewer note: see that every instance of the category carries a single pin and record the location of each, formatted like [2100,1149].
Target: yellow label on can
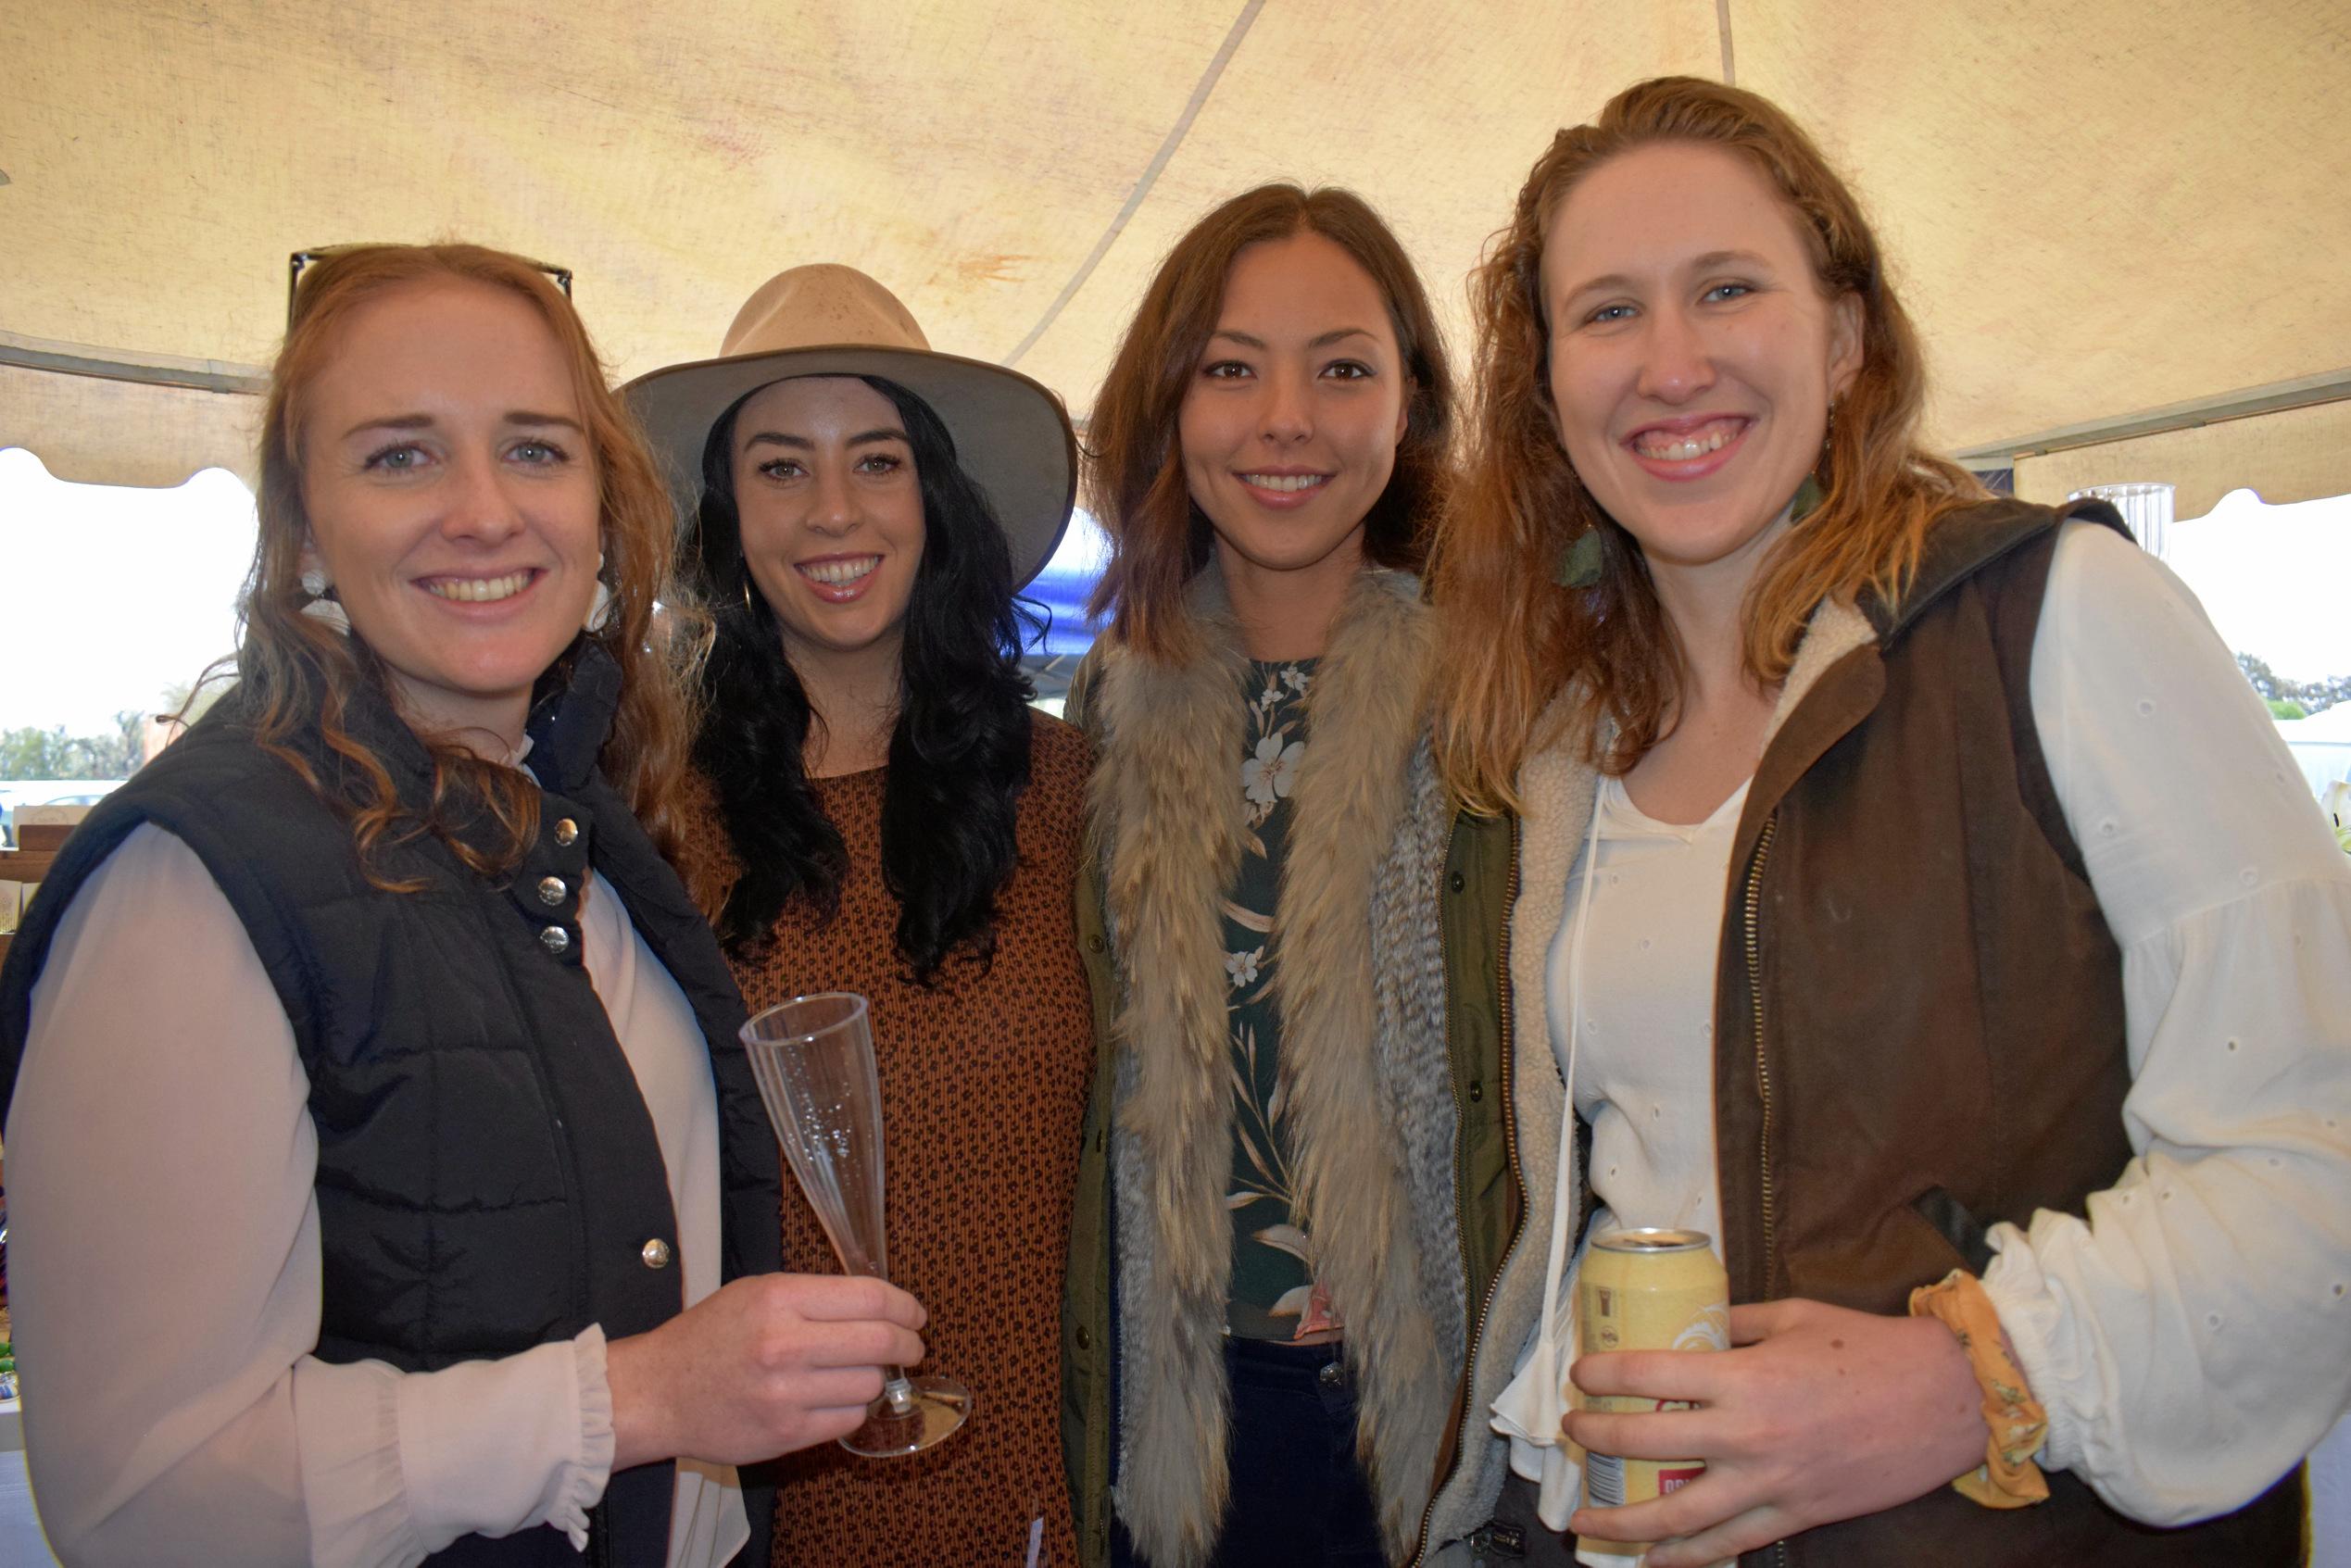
[1645,1290]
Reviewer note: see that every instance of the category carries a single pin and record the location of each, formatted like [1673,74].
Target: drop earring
[322,605]
[600,608]
[1580,563]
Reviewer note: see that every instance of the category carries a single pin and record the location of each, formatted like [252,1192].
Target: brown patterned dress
[983,1085]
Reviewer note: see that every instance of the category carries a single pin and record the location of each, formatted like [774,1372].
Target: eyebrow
[426,421]
[1712,259]
[802,443]
[1246,341]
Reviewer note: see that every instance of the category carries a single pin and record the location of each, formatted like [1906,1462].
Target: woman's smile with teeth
[839,572]
[1286,482]
[1676,447]
[479,590]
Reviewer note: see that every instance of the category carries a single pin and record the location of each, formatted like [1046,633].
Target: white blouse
[2191,1337]
[165,1286]
[1647,1038]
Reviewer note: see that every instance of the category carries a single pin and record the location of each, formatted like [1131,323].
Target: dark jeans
[1298,1497]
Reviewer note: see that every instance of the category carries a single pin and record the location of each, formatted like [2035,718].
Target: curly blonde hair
[1512,637]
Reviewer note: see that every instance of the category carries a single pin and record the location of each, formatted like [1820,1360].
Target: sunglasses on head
[301,258]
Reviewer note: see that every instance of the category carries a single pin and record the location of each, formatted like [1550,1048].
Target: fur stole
[1169,806]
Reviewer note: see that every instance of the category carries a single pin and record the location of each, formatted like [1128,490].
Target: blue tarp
[1063,588]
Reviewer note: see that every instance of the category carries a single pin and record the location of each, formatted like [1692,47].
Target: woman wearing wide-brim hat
[885,814]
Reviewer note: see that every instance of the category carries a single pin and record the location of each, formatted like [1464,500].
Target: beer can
[1645,1290]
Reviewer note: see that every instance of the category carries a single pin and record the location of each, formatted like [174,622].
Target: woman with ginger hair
[1298,1152]
[378,1138]
[1914,897]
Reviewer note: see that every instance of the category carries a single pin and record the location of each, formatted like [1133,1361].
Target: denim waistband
[1275,1362]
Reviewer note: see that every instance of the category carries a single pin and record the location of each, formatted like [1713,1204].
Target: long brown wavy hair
[1512,637]
[295,671]
[1133,466]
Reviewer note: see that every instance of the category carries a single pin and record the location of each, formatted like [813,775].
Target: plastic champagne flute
[813,1057]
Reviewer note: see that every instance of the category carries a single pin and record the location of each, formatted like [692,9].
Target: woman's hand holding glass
[1816,1414]
[761,1367]
[814,1059]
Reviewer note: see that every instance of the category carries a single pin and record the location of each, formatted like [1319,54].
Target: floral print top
[1275,1295]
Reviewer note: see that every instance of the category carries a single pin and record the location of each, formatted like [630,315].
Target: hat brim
[1012,434]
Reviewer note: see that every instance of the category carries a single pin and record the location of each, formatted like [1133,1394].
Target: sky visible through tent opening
[132,592]
[124,596]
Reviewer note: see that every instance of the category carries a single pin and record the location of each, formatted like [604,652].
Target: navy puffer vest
[488,1178]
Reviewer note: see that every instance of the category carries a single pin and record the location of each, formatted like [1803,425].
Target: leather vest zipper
[1510,1151]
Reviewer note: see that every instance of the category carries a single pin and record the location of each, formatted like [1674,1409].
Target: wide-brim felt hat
[1012,434]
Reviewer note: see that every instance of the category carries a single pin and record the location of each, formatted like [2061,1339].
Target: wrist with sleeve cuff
[2008,1477]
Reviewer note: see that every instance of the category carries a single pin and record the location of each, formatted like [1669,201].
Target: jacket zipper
[1754,912]
[1510,1151]
[1754,996]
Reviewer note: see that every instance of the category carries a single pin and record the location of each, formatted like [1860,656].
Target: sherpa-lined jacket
[1917,1035]
[1407,1111]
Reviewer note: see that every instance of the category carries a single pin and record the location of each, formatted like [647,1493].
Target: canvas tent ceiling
[2100,208]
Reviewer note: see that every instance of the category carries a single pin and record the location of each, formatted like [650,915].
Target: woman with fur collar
[1269,450]
[1968,961]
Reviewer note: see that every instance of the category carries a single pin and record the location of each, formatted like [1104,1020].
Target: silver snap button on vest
[555,939]
[656,1254]
[566,831]
[551,891]
[1332,1374]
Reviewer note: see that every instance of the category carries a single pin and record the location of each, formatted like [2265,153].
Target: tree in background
[29,753]
[190,700]
[2310,696]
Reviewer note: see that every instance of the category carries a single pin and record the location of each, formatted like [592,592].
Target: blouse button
[1094,943]
[555,939]
[551,891]
[656,1254]
[1459,882]
[566,831]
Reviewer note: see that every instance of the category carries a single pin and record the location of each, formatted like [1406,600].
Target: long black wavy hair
[959,753]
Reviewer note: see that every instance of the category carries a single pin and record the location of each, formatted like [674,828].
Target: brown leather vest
[1920,1021]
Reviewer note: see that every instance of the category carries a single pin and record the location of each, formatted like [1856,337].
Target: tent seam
[1150,177]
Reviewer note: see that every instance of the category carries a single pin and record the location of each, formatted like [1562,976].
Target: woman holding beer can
[1308,1190]
[1914,895]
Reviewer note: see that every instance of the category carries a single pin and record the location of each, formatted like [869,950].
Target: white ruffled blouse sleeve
[2191,1337]
[166,1278]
